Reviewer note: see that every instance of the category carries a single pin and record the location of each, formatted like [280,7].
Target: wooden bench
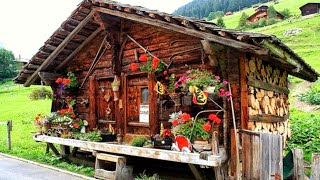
[121,172]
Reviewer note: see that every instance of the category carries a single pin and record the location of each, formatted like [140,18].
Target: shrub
[313,95]
[286,13]
[139,141]
[40,94]
[243,20]
[305,132]
[220,22]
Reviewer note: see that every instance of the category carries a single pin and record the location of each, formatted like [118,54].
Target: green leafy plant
[40,94]
[313,95]
[93,136]
[144,176]
[139,141]
[73,78]
[305,132]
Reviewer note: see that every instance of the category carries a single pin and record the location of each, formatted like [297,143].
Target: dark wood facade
[310,8]
[256,66]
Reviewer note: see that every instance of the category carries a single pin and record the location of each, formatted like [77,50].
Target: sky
[26,25]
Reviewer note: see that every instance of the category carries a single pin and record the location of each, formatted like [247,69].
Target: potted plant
[108,134]
[67,86]
[194,129]
[172,90]
[115,84]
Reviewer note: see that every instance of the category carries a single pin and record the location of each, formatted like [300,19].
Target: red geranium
[154,65]
[175,122]
[75,125]
[214,118]
[185,116]
[70,109]
[143,58]
[59,80]
[155,61]
[73,116]
[207,126]
[66,81]
[134,67]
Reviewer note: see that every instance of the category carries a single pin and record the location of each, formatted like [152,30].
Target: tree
[272,13]
[286,13]
[8,67]
[220,22]
[243,20]
[214,15]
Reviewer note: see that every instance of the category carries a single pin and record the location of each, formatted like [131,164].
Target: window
[144,95]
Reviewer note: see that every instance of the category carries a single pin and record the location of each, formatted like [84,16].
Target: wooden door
[261,156]
[138,105]
[105,104]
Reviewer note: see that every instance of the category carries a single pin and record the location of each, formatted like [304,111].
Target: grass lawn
[16,106]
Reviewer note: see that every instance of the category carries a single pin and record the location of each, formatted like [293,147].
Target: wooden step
[122,172]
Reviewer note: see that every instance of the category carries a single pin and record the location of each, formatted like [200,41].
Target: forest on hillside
[202,8]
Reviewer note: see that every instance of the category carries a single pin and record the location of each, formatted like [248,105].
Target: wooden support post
[315,167]
[215,151]
[53,148]
[64,150]
[197,175]
[298,164]
[9,129]
[92,102]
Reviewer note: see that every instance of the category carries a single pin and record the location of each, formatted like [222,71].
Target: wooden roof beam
[56,52]
[244,47]
[78,49]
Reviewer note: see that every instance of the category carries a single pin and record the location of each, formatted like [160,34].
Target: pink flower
[217,78]
[221,90]
[225,82]
[228,93]
[182,80]
[176,85]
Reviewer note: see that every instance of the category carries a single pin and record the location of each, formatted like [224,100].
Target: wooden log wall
[162,43]
[268,104]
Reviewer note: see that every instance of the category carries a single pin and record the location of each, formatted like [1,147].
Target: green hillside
[306,44]
[293,5]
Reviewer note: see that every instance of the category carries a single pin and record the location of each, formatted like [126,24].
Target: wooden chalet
[101,39]
[310,8]
[262,13]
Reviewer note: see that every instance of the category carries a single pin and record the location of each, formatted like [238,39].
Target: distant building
[228,13]
[262,12]
[310,8]
[21,61]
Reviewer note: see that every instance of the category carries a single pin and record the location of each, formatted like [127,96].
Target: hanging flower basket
[115,84]
[176,98]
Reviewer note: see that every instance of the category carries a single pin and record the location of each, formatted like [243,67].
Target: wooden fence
[9,129]
[299,165]
[261,156]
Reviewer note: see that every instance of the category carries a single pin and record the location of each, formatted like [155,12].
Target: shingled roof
[80,28]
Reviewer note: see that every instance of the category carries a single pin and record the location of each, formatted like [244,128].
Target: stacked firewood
[262,101]
[255,69]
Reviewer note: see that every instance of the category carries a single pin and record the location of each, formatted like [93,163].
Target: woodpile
[262,101]
[268,104]
[278,128]
[255,69]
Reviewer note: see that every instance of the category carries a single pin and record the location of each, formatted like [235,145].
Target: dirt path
[296,90]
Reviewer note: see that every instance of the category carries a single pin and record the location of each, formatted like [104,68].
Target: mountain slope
[201,8]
